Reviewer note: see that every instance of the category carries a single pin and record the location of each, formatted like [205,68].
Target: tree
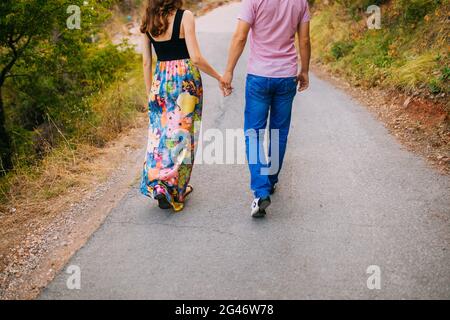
[22,25]
[41,60]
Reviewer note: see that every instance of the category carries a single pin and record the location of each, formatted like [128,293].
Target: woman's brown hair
[156,17]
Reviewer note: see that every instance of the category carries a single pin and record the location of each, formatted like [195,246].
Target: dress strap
[149,36]
[177,24]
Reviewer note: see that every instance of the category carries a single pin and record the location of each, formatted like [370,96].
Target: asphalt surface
[350,196]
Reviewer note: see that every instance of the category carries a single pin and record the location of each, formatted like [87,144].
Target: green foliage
[415,10]
[360,4]
[434,86]
[356,8]
[49,71]
[445,73]
[340,49]
[409,52]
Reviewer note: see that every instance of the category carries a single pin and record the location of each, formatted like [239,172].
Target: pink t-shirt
[272,37]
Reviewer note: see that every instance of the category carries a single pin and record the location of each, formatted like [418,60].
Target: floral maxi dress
[175,111]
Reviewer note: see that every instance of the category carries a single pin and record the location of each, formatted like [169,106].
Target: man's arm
[236,48]
[304,44]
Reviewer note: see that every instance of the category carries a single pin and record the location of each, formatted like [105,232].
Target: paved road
[350,196]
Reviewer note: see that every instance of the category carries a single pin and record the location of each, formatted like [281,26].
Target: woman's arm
[147,63]
[193,47]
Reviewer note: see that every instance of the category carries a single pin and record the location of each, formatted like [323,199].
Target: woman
[175,101]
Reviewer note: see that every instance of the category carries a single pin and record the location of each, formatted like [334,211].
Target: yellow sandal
[179,206]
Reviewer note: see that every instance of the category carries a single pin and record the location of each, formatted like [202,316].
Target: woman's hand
[226,91]
[225,84]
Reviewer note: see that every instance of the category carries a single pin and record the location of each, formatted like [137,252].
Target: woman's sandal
[189,190]
[162,202]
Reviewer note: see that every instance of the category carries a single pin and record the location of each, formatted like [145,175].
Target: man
[272,80]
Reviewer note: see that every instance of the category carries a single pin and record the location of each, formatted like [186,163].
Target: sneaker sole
[264,205]
[259,214]
[262,209]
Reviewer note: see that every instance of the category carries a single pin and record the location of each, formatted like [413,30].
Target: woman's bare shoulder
[189,15]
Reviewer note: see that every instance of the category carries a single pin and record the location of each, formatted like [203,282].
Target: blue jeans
[263,95]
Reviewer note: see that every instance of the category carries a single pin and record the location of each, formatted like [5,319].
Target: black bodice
[175,48]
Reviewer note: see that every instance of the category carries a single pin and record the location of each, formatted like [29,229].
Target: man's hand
[303,81]
[225,84]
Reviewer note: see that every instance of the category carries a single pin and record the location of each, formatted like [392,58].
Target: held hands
[225,84]
[303,81]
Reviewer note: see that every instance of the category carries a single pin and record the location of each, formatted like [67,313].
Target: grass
[115,110]
[410,53]
[414,71]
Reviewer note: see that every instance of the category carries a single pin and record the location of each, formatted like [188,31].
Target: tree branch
[16,55]
[16,75]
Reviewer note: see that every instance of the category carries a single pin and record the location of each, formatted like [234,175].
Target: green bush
[55,71]
[409,52]
[341,48]
[445,76]
[414,10]
[357,8]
